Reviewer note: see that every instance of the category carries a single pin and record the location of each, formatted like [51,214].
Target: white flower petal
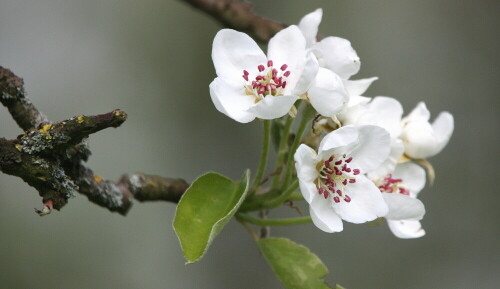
[413,177]
[288,47]
[339,139]
[309,26]
[327,93]
[397,150]
[443,129]
[272,107]
[359,86]
[403,207]
[233,52]
[372,149]
[366,203]
[306,78]
[305,164]
[385,112]
[337,54]
[356,107]
[323,216]
[419,113]
[406,229]
[230,99]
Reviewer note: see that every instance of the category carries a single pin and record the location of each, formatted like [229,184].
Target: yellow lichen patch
[19,147]
[97,179]
[117,113]
[80,119]
[48,136]
[45,128]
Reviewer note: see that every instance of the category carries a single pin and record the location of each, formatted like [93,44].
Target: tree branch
[50,156]
[12,96]
[239,16]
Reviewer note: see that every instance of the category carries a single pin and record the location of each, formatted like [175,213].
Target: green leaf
[294,264]
[204,209]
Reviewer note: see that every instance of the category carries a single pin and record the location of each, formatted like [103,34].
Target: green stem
[273,222]
[306,117]
[270,200]
[274,203]
[266,140]
[296,197]
[282,150]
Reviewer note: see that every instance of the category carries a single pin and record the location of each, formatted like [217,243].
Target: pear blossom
[399,190]
[422,139]
[385,112]
[333,180]
[335,54]
[250,84]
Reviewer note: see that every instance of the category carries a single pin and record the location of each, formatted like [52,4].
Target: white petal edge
[230,99]
[406,229]
[309,25]
[385,112]
[443,127]
[272,107]
[419,113]
[412,175]
[337,54]
[327,93]
[233,52]
[288,47]
[366,203]
[323,216]
[403,207]
[372,149]
[359,86]
[339,139]
[306,78]
[305,164]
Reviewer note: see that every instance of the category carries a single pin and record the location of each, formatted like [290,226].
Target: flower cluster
[363,164]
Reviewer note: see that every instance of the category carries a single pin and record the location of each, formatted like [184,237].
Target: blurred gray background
[152,59]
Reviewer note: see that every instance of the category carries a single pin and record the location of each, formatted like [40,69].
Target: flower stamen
[335,175]
[268,82]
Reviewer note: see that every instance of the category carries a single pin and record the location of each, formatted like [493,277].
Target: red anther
[321,191]
[261,68]
[355,171]
[245,72]
[331,188]
[344,182]
[269,63]
[344,167]
[245,77]
[275,72]
[330,159]
[347,198]
[287,73]
[283,84]
[404,191]
[338,162]
[262,90]
[339,192]
[284,67]
[348,170]
[329,171]
[352,181]
[268,87]
[254,84]
[329,179]
[327,164]
[336,199]
[348,160]
[260,77]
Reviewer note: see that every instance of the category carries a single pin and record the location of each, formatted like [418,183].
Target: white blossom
[332,180]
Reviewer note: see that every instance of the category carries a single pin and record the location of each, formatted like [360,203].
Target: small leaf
[204,209]
[294,264]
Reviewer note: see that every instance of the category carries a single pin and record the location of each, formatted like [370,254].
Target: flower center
[392,185]
[334,175]
[270,81]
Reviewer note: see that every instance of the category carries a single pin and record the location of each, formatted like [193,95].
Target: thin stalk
[266,140]
[274,203]
[282,150]
[296,142]
[272,222]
